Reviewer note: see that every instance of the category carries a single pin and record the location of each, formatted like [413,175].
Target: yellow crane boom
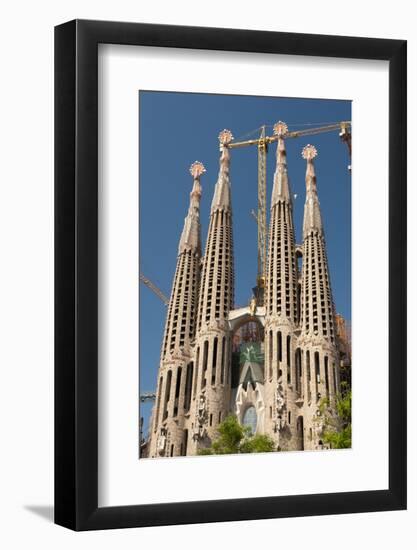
[150,395]
[154,288]
[262,238]
[344,128]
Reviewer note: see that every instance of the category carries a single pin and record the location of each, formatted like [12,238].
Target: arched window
[223,360]
[317,371]
[250,418]
[184,443]
[158,402]
[289,359]
[197,366]
[214,362]
[204,369]
[279,338]
[326,374]
[308,375]
[188,382]
[300,433]
[177,391]
[298,371]
[167,392]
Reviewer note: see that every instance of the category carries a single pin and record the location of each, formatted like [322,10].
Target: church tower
[270,363]
[169,435]
[281,310]
[212,348]
[318,338]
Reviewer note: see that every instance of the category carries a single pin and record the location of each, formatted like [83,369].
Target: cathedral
[269,363]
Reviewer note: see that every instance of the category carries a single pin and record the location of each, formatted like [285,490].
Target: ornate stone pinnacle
[197,169]
[309,152]
[225,137]
[280,129]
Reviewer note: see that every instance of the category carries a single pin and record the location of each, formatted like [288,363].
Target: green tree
[337,424]
[233,438]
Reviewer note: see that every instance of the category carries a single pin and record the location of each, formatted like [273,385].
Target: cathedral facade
[269,363]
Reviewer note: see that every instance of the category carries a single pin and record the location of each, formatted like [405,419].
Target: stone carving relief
[202,415]
[281,421]
[162,441]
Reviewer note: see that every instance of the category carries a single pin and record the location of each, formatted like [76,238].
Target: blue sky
[178,128]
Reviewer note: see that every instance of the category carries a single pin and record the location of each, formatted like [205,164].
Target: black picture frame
[76,273]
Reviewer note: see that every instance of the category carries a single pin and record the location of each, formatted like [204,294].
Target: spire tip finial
[280,129]
[309,152]
[225,137]
[197,169]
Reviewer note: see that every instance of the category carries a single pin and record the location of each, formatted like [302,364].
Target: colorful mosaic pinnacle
[225,137]
[309,152]
[280,129]
[197,169]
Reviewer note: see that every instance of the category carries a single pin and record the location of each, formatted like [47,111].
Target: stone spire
[181,317]
[317,318]
[221,197]
[212,391]
[318,338]
[169,436]
[190,238]
[281,296]
[312,215]
[281,305]
[281,187]
[216,296]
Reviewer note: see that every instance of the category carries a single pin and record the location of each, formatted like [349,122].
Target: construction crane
[147,396]
[262,143]
[262,238]
[151,396]
[154,288]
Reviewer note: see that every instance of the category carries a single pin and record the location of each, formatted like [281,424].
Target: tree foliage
[233,438]
[337,424]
